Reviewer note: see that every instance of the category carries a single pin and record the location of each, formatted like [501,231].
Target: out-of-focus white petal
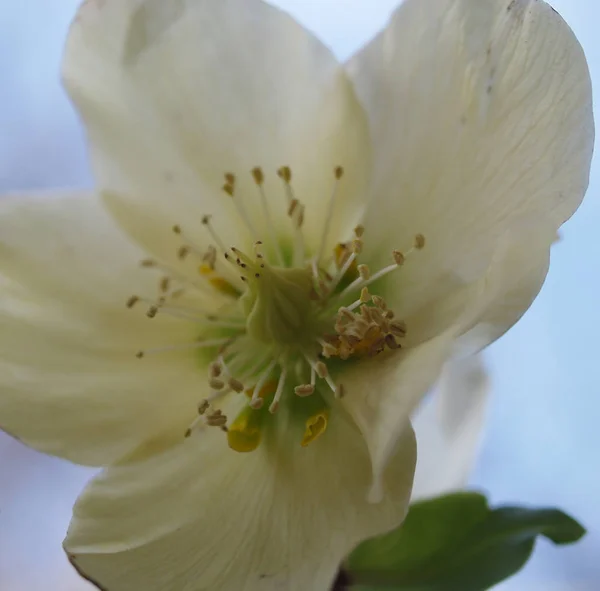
[70,383]
[449,427]
[176,94]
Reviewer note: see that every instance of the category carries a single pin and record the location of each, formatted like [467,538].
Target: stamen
[279,392]
[295,212]
[229,188]
[189,244]
[256,402]
[176,276]
[206,221]
[338,173]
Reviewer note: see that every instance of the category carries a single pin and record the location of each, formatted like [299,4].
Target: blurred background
[543,438]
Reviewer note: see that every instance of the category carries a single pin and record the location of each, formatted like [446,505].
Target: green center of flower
[288,328]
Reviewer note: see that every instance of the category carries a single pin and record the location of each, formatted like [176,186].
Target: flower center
[291,321]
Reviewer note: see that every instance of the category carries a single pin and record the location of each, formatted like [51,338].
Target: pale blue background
[544,439]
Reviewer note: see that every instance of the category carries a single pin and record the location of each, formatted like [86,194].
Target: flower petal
[449,427]
[176,94]
[382,393]
[202,517]
[511,284]
[69,380]
[481,114]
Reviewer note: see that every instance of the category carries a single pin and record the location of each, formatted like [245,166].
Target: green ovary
[279,310]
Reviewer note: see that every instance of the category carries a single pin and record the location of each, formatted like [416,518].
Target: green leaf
[456,543]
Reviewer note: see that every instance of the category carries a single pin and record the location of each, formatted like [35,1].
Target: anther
[359,231]
[132,301]
[304,390]
[203,407]
[215,370]
[419,241]
[399,258]
[379,302]
[259,177]
[177,229]
[139,354]
[230,178]
[321,369]
[339,172]
[364,272]
[152,311]
[365,296]
[398,328]
[390,341]
[148,263]
[285,173]
[256,403]
[165,282]
[293,205]
[228,189]
[182,252]
[235,385]
[340,391]
[216,384]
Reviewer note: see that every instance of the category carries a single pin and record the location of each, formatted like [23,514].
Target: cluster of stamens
[364,328]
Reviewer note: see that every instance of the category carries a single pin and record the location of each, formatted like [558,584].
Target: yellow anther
[177,229]
[244,434]
[339,172]
[365,296]
[359,231]
[132,301]
[230,178]
[218,282]
[228,189]
[316,425]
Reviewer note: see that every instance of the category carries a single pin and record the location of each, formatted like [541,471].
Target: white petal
[481,114]
[176,94]
[449,428]
[488,307]
[201,517]
[69,380]
[382,393]
[511,284]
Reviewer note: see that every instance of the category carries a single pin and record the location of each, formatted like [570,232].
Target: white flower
[444,162]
